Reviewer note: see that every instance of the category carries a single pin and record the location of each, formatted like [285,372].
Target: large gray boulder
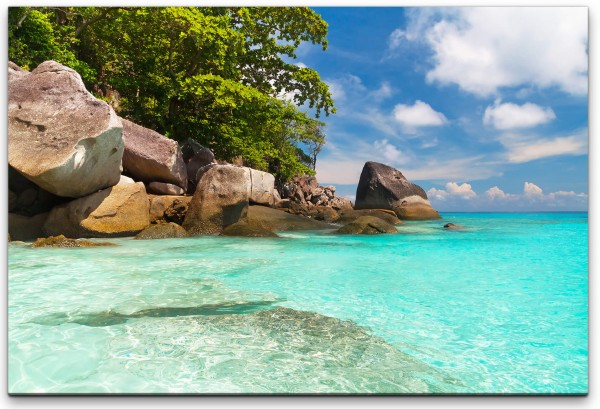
[262,187]
[122,210]
[221,199]
[195,157]
[152,157]
[383,187]
[59,136]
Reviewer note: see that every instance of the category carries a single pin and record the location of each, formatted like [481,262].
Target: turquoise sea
[499,307]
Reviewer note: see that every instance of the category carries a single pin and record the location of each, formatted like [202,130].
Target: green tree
[209,73]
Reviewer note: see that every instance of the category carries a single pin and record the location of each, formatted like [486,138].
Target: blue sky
[485,108]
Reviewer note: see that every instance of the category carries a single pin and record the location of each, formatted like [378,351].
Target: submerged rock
[452,226]
[383,187]
[367,225]
[59,135]
[277,220]
[151,157]
[245,230]
[221,199]
[64,242]
[121,210]
[162,231]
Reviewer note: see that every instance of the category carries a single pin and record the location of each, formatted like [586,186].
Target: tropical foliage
[217,75]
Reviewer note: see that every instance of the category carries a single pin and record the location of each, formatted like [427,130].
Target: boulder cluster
[78,170]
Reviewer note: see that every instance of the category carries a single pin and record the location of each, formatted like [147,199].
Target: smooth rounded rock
[220,199]
[151,157]
[119,211]
[383,187]
[59,135]
[367,225]
[245,230]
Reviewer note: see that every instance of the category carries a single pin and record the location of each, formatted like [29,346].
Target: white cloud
[417,115]
[389,152]
[437,194]
[482,49]
[495,193]
[532,190]
[383,92]
[513,116]
[464,191]
[522,149]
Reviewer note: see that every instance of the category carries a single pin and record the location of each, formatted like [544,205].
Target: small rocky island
[79,170]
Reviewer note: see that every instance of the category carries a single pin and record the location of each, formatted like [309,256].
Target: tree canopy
[215,74]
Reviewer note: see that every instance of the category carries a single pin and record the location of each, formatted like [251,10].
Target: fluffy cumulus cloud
[495,193]
[418,115]
[512,116]
[482,49]
[520,148]
[453,189]
[532,190]
[462,197]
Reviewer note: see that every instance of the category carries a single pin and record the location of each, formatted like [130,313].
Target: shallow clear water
[500,307]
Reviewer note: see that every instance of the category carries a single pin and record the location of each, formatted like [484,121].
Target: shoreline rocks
[383,187]
[277,220]
[152,158]
[220,199]
[367,225]
[64,242]
[162,231]
[119,211]
[75,139]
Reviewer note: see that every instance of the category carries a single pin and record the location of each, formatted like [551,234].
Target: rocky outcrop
[169,208]
[25,228]
[118,211]
[162,231]
[244,230]
[306,193]
[383,187]
[64,242]
[277,220]
[367,225]
[262,185]
[160,188]
[349,215]
[195,156]
[151,157]
[59,136]
[221,199]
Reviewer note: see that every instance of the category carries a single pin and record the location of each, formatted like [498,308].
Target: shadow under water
[108,318]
